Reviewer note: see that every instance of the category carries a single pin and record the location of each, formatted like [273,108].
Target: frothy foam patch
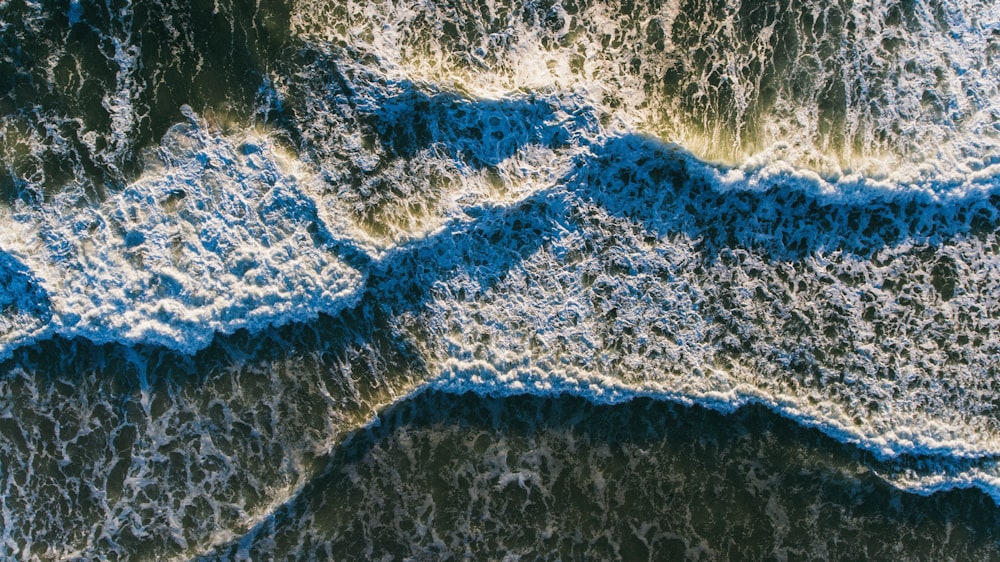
[901,91]
[219,233]
[865,317]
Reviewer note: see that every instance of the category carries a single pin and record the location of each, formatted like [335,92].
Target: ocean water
[691,279]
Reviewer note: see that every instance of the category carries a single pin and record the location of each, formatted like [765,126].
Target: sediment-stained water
[325,279]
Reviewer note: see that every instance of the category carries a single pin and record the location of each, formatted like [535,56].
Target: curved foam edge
[770,169]
[479,376]
[943,469]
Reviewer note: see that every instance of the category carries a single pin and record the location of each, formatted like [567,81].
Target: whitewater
[790,205]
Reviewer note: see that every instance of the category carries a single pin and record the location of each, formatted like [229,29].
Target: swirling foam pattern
[233,232]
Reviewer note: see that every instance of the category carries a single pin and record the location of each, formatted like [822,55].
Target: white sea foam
[653,332]
[219,233]
[725,290]
[905,93]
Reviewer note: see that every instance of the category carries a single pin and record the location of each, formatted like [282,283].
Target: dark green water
[448,477]
[86,85]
